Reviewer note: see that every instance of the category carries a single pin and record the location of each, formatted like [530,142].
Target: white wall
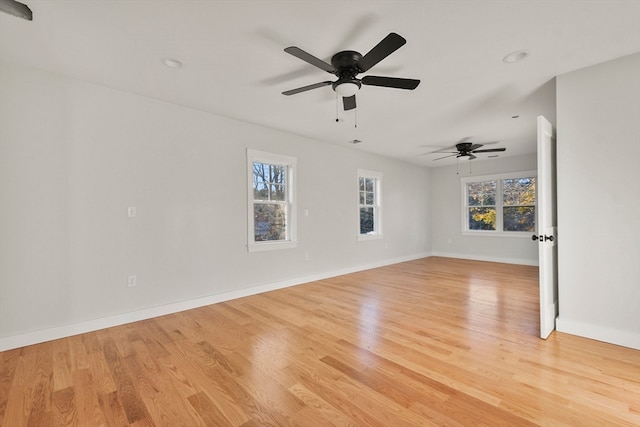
[74,156]
[446,221]
[598,137]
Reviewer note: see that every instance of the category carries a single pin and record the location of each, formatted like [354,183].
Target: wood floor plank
[42,391]
[64,407]
[207,410]
[317,411]
[8,364]
[18,397]
[133,406]
[206,377]
[87,403]
[62,369]
[112,409]
[158,395]
[430,342]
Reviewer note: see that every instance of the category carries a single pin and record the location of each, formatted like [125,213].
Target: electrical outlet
[132,281]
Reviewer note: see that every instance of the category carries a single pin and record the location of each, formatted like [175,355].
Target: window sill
[271,246]
[363,237]
[510,234]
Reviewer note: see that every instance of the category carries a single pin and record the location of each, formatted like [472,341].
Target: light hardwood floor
[434,341]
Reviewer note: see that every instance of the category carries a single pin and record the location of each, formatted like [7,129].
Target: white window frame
[499,204]
[291,164]
[377,216]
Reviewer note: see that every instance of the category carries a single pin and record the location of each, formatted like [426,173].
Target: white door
[546,236]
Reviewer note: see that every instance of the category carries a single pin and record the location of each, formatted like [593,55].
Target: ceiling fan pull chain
[337,111]
[355,110]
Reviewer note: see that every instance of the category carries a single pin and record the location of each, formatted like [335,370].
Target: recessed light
[516,56]
[171,63]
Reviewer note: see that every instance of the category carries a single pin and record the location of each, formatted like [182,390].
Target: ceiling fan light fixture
[347,89]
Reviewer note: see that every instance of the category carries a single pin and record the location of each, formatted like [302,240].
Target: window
[271,215]
[500,204]
[369,205]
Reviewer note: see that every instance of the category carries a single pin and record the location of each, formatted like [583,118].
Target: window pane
[366,220]
[481,193]
[362,197]
[260,172]
[369,184]
[519,218]
[519,191]
[370,198]
[277,174]
[361,184]
[482,218]
[269,221]
[278,192]
[260,191]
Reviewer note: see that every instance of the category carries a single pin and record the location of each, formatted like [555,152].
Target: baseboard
[49,334]
[599,333]
[519,261]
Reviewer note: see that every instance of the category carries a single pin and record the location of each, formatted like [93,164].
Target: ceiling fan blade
[438,152]
[489,150]
[307,57]
[450,155]
[474,147]
[444,150]
[15,8]
[471,157]
[349,102]
[393,82]
[306,88]
[386,47]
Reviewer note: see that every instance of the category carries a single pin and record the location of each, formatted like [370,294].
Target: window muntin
[500,204]
[271,215]
[369,204]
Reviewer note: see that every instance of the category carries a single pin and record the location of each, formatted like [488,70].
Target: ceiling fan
[15,8]
[467,149]
[347,64]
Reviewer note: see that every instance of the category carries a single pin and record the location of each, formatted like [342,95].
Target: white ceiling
[235,66]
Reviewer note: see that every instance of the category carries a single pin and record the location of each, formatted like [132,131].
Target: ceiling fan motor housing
[345,62]
[345,68]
